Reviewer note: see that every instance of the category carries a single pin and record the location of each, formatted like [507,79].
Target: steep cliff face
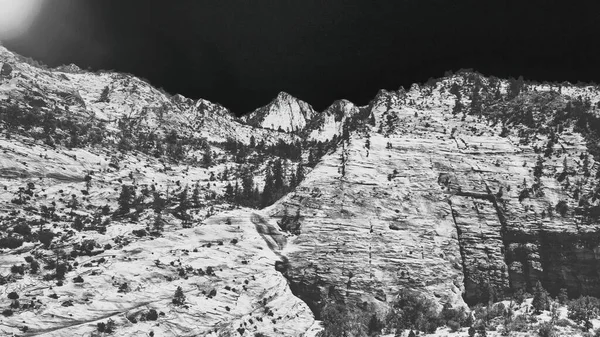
[433,200]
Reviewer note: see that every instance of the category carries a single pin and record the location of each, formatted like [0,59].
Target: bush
[340,320]
[546,330]
[152,315]
[13,296]
[22,229]
[46,236]
[20,269]
[375,325]
[583,310]
[7,312]
[11,242]
[413,311]
[108,327]
[453,325]
[139,233]
[78,279]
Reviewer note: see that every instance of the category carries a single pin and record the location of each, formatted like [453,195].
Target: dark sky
[242,53]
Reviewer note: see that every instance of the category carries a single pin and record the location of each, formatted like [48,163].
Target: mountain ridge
[464,189]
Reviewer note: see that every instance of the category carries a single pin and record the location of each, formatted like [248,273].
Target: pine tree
[278,182]
[104,95]
[311,158]
[125,199]
[207,158]
[252,142]
[539,167]
[247,185]
[229,193]
[476,101]
[267,194]
[225,175]
[563,296]
[158,204]
[179,297]
[158,224]
[299,173]
[196,195]
[541,300]
[184,202]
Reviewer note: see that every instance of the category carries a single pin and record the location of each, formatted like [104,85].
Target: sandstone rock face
[434,201]
[285,113]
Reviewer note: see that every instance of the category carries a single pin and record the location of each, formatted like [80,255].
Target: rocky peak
[285,113]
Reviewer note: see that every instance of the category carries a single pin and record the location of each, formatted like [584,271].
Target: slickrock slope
[250,293]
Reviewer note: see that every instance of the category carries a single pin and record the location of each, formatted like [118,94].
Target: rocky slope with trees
[464,190]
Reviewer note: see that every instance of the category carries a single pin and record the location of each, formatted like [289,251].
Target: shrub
[471,332]
[413,311]
[11,242]
[78,279]
[546,330]
[375,325]
[108,327]
[46,237]
[13,296]
[453,325]
[20,269]
[152,315]
[139,233]
[7,312]
[61,270]
[22,229]
[340,320]
[583,310]
[34,267]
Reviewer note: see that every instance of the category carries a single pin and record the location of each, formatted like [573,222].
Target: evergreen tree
[247,185]
[196,196]
[158,204]
[278,179]
[225,175]
[476,101]
[126,199]
[539,167]
[179,297]
[563,296]
[268,189]
[458,106]
[299,173]
[541,299]
[252,142]
[311,158]
[515,87]
[184,202]
[207,158]
[229,193]
[104,95]
[158,224]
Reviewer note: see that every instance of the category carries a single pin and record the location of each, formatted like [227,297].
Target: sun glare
[16,16]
